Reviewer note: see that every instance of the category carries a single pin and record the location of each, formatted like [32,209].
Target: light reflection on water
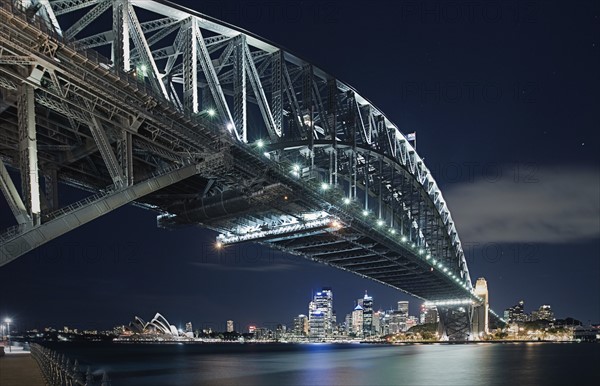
[473,364]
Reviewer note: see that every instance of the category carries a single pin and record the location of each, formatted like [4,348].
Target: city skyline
[486,150]
[413,308]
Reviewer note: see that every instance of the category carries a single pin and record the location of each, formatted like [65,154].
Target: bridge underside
[276,151]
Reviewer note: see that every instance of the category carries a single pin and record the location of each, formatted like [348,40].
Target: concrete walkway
[20,369]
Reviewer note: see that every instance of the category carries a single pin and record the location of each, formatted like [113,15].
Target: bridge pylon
[456,323]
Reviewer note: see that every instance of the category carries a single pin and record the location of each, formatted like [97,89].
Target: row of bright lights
[380,223]
[296,168]
[448,302]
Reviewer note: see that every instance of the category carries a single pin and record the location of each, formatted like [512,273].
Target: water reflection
[474,364]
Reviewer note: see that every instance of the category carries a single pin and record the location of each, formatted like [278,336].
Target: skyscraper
[367,315]
[428,315]
[320,314]
[301,325]
[516,313]
[230,326]
[401,316]
[543,313]
[357,320]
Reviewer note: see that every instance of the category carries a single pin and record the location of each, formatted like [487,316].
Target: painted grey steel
[168,86]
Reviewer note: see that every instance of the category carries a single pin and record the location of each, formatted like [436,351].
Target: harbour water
[351,364]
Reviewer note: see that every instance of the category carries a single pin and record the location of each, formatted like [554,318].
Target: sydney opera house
[158,328]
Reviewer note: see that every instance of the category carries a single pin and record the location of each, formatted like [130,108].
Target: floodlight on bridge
[309,221]
[449,302]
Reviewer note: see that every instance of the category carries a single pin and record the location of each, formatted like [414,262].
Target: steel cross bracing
[174,91]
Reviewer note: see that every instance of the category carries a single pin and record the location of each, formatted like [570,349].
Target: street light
[8,321]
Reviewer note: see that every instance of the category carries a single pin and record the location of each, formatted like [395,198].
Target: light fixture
[260,143]
[211,112]
[324,186]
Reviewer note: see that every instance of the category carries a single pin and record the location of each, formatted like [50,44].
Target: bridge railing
[59,371]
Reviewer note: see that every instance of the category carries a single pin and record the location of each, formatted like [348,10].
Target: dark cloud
[555,205]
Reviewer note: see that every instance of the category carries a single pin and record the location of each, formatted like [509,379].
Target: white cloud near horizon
[560,205]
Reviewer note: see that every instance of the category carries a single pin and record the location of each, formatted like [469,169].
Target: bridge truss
[210,125]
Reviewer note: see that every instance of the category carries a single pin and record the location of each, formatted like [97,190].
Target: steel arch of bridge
[266,122]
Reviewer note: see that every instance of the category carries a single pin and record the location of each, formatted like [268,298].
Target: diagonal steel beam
[103,143]
[82,212]
[65,6]
[137,35]
[213,80]
[86,19]
[190,70]
[12,196]
[259,93]
[239,87]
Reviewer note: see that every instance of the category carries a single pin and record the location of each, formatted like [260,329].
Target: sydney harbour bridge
[150,103]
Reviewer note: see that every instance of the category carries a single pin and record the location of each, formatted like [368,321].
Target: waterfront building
[516,313]
[428,314]
[400,317]
[188,327]
[357,320]
[376,327]
[301,325]
[230,326]
[543,313]
[158,326]
[586,333]
[348,324]
[280,331]
[411,321]
[321,315]
[316,325]
[367,306]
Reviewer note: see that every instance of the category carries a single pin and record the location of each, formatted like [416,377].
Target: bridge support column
[28,152]
[455,323]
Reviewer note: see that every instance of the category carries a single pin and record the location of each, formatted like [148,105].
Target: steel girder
[308,118]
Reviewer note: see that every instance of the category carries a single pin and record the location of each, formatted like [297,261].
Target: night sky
[504,97]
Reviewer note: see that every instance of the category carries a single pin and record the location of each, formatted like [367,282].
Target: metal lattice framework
[211,125]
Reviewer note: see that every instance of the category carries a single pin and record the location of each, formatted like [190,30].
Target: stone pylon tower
[481,311]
